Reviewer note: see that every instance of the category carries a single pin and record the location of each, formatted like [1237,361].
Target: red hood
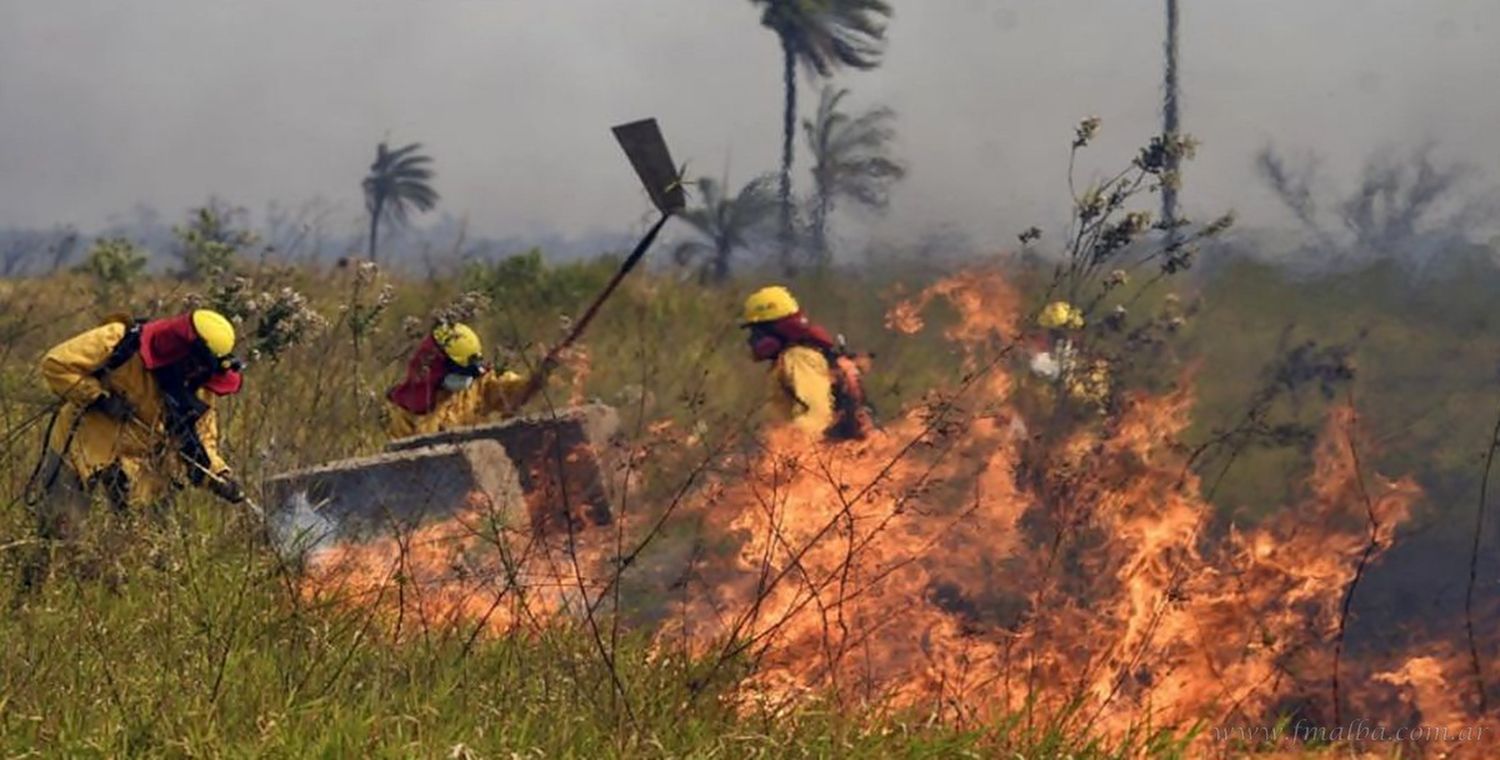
[799,330]
[167,341]
[794,330]
[424,376]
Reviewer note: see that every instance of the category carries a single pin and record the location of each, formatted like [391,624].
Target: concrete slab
[560,459]
[370,496]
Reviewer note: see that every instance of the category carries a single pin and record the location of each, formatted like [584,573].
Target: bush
[114,265]
[209,243]
[526,281]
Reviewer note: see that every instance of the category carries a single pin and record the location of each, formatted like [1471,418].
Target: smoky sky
[106,104]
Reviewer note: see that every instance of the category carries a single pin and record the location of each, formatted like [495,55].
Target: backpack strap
[129,346]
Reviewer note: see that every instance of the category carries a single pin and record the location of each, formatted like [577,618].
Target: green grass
[184,637]
[202,650]
[199,651]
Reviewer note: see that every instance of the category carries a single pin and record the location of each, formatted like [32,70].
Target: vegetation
[193,639]
[203,651]
[186,630]
[822,37]
[209,243]
[1406,205]
[850,161]
[1171,125]
[197,645]
[113,265]
[398,183]
[724,224]
[22,250]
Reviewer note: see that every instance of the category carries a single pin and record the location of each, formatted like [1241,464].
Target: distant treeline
[312,233]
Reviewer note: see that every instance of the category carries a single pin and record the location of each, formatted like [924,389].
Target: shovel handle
[249,503]
[539,377]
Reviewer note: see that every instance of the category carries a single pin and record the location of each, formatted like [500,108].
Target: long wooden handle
[539,377]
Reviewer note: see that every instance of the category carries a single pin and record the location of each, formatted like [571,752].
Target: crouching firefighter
[136,419]
[815,382]
[448,385]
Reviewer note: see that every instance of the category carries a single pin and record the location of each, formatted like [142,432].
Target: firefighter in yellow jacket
[812,383]
[447,385]
[136,418]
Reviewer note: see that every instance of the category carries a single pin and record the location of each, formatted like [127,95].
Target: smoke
[299,532]
[33,252]
[168,101]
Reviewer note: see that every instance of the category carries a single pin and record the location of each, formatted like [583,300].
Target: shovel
[291,534]
[647,151]
[245,500]
[417,482]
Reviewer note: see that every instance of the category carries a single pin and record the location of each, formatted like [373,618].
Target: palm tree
[851,161]
[396,184]
[1169,120]
[822,35]
[724,224]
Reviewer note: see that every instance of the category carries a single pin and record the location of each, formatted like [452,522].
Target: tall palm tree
[397,183]
[724,224]
[850,155]
[822,35]
[1169,119]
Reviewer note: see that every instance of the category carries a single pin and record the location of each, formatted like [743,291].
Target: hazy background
[107,105]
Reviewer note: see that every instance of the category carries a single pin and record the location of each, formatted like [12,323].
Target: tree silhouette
[823,36]
[397,183]
[850,161]
[724,224]
[1170,126]
[1406,205]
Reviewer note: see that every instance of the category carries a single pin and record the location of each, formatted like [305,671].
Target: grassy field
[188,639]
[191,640]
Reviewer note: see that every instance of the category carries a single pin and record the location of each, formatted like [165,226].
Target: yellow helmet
[459,342]
[1060,315]
[215,331]
[769,304]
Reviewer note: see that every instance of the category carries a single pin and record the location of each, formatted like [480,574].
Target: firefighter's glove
[227,488]
[113,407]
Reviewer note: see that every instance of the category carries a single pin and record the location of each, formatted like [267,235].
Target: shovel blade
[647,150]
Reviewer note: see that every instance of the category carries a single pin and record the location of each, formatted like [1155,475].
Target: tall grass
[181,634]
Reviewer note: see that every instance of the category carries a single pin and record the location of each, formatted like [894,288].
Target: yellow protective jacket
[802,389]
[142,449]
[492,393]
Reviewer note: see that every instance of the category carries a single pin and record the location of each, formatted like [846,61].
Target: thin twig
[1364,558]
[1484,485]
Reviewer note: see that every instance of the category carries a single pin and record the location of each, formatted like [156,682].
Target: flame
[968,563]
[905,318]
[475,570]
[959,565]
[580,366]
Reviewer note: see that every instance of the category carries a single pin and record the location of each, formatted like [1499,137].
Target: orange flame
[961,564]
[475,570]
[950,566]
[580,365]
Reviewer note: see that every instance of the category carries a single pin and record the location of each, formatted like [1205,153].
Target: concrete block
[370,496]
[560,459]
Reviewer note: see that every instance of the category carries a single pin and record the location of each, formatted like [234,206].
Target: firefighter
[1084,379]
[1052,350]
[136,418]
[1060,315]
[814,382]
[448,385]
